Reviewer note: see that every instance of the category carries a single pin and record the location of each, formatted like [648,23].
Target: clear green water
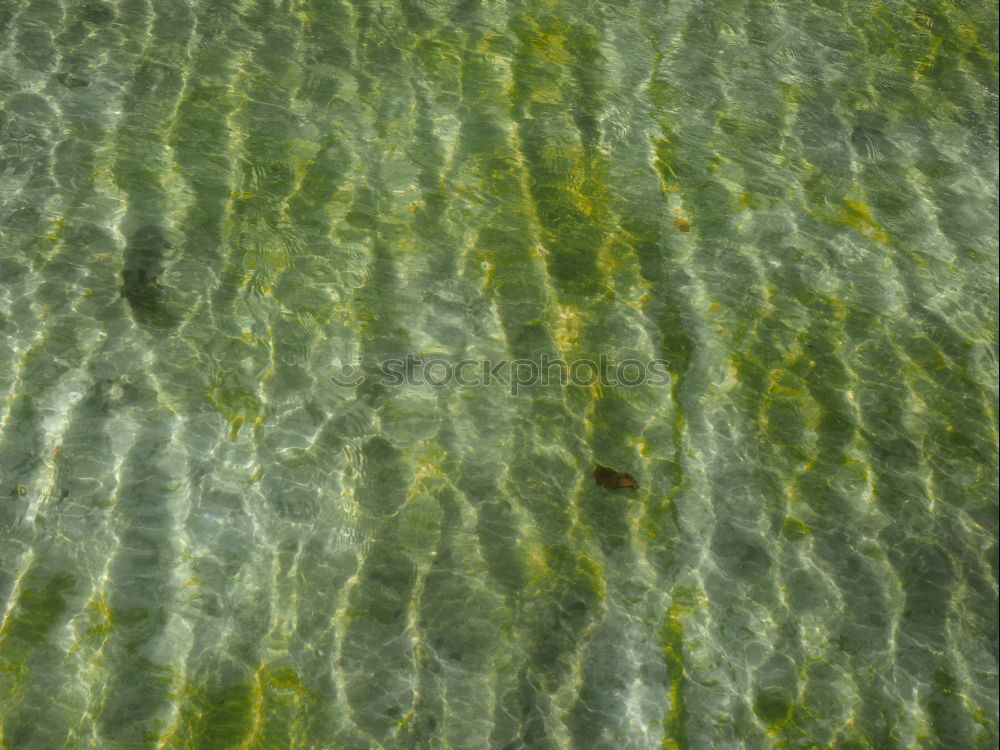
[208,207]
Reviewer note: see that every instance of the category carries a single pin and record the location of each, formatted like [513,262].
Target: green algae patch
[589,571]
[667,165]
[256,713]
[27,634]
[576,573]
[279,698]
[672,643]
[858,216]
[419,523]
[96,626]
[236,401]
[793,529]
[41,605]
[217,716]
[773,708]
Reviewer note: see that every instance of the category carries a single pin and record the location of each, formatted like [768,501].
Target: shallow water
[222,524]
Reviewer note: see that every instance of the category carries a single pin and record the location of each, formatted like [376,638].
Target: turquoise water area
[211,211]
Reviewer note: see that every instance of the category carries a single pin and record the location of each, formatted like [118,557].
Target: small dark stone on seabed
[615,480]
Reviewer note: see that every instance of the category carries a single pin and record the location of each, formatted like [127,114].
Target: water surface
[210,208]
